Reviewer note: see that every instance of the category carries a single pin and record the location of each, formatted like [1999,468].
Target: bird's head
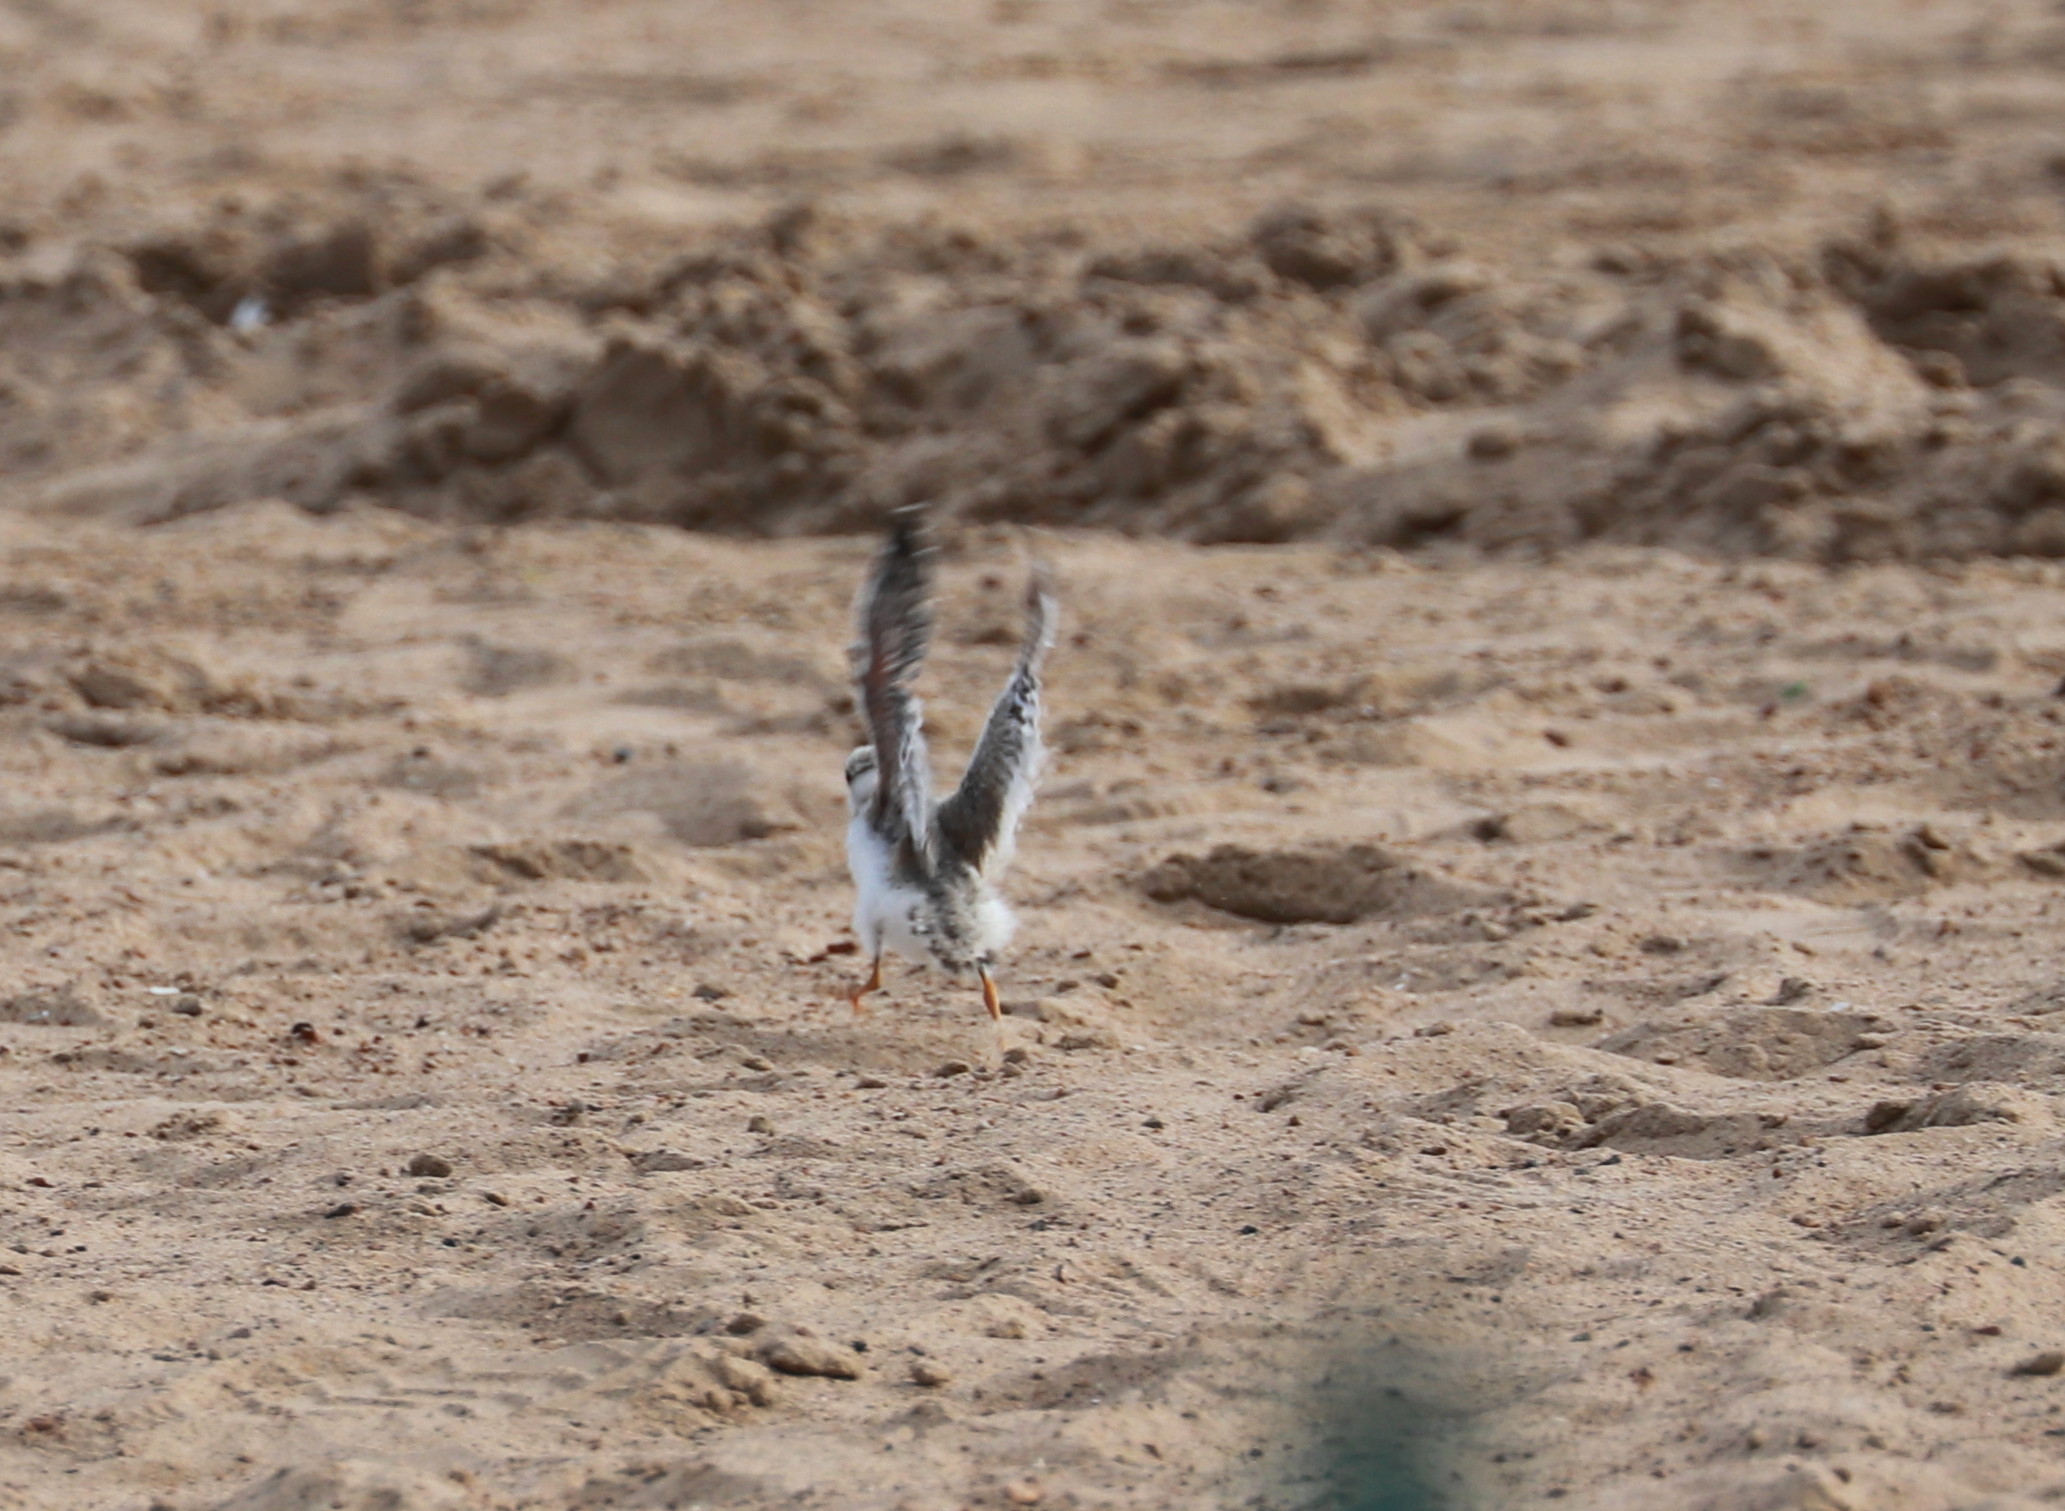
[860,777]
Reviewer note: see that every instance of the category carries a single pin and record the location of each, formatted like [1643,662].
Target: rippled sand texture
[1539,954]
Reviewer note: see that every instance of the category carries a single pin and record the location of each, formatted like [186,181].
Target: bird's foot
[872,984]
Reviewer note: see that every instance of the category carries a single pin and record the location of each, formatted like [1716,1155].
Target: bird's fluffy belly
[994,922]
[884,914]
[900,926]
[887,915]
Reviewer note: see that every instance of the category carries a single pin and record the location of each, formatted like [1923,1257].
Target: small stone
[750,1379]
[928,1374]
[1576,1017]
[870,1083]
[796,1355]
[953,1068]
[759,1123]
[188,1007]
[2049,1362]
[430,1167]
[1492,443]
[342,1209]
[745,1322]
[1024,1493]
[705,992]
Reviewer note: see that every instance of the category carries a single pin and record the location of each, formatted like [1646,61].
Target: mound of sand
[1341,373]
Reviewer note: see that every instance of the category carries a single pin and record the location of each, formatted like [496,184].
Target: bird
[925,873]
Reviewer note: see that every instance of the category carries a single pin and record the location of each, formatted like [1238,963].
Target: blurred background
[1512,274]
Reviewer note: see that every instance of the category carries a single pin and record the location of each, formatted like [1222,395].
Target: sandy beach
[1538,974]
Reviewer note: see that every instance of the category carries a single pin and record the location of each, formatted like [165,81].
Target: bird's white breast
[882,910]
[994,922]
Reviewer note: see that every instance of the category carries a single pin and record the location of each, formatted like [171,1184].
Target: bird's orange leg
[874,984]
[990,999]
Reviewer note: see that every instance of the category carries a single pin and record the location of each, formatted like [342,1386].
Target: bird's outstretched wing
[895,615]
[978,825]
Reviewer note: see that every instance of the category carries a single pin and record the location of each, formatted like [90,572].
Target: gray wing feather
[895,628]
[978,825]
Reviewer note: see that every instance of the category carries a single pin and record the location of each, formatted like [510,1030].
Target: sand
[1537,975]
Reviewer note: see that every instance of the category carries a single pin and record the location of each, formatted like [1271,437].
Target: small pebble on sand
[798,1355]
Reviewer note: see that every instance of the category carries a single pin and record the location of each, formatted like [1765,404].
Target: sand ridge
[1510,277]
